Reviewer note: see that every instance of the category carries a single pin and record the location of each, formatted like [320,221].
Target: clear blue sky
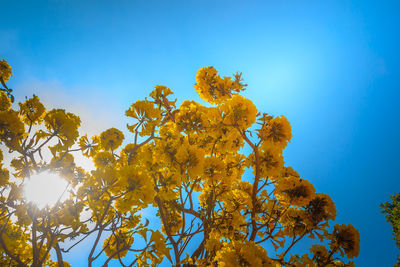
[331,67]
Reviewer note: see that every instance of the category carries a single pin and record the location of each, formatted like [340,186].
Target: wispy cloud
[95,113]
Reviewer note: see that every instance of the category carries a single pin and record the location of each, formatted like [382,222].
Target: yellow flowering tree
[213,174]
[391,209]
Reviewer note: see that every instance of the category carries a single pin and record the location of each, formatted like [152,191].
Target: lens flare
[45,189]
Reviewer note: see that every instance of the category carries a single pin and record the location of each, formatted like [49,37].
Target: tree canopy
[212,173]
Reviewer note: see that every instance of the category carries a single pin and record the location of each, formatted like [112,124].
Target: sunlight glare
[45,188]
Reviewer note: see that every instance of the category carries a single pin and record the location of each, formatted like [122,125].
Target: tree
[213,174]
[391,209]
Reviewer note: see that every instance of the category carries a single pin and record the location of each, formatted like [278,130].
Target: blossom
[136,186]
[270,160]
[4,176]
[32,110]
[5,102]
[147,117]
[5,70]
[238,253]
[12,129]
[293,222]
[321,208]
[239,111]
[321,254]
[103,159]
[63,124]
[89,147]
[214,89]
[346,239]
[276,130]
[191,117]
[294,191]
[111,139]
[118,243]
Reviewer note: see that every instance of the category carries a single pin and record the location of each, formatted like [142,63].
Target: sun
[45,189]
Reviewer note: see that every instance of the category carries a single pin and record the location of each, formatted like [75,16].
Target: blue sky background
[331,67]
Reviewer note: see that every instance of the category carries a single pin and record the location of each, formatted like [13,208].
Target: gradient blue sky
[331,67]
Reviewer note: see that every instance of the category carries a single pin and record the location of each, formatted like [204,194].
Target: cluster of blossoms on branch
[213,174]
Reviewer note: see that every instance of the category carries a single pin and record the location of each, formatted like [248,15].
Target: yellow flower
[159,245]
[289,171]
[321,208]
[293,222]
[321,254]
[147,117]
[137,187]
[285,172]
[32,110]
[214,89]
[111,139]
[5,102]
[160,91]
[89,147]
[190,158]
[239,111]
[226,140]
[159,94]
[174,220]
[4,176]
[64,125]
[167,195]
[276,130]
[270,161]
[213,242]
[294,191]
[191,117]
[12,130]
[214,169]
[103,159]
[5,70]
[346,239]
[118,243]
[238,253]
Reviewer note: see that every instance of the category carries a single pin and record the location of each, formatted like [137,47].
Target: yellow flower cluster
[191,117]
[294,191]
[118,243]
[111,139]
[4,173]
[270,161]
[346,239]
[104,159]
[214,89]
[17,241]
[136,186]
[173,219]
[276,130]
[239,111]
[293,222]
[5,70]
[64,125]
[160,91]
[190,159]
[237,253]
[89,147]
[12,129]
[321,208]
[32,110]
[146,115]
[5,103]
